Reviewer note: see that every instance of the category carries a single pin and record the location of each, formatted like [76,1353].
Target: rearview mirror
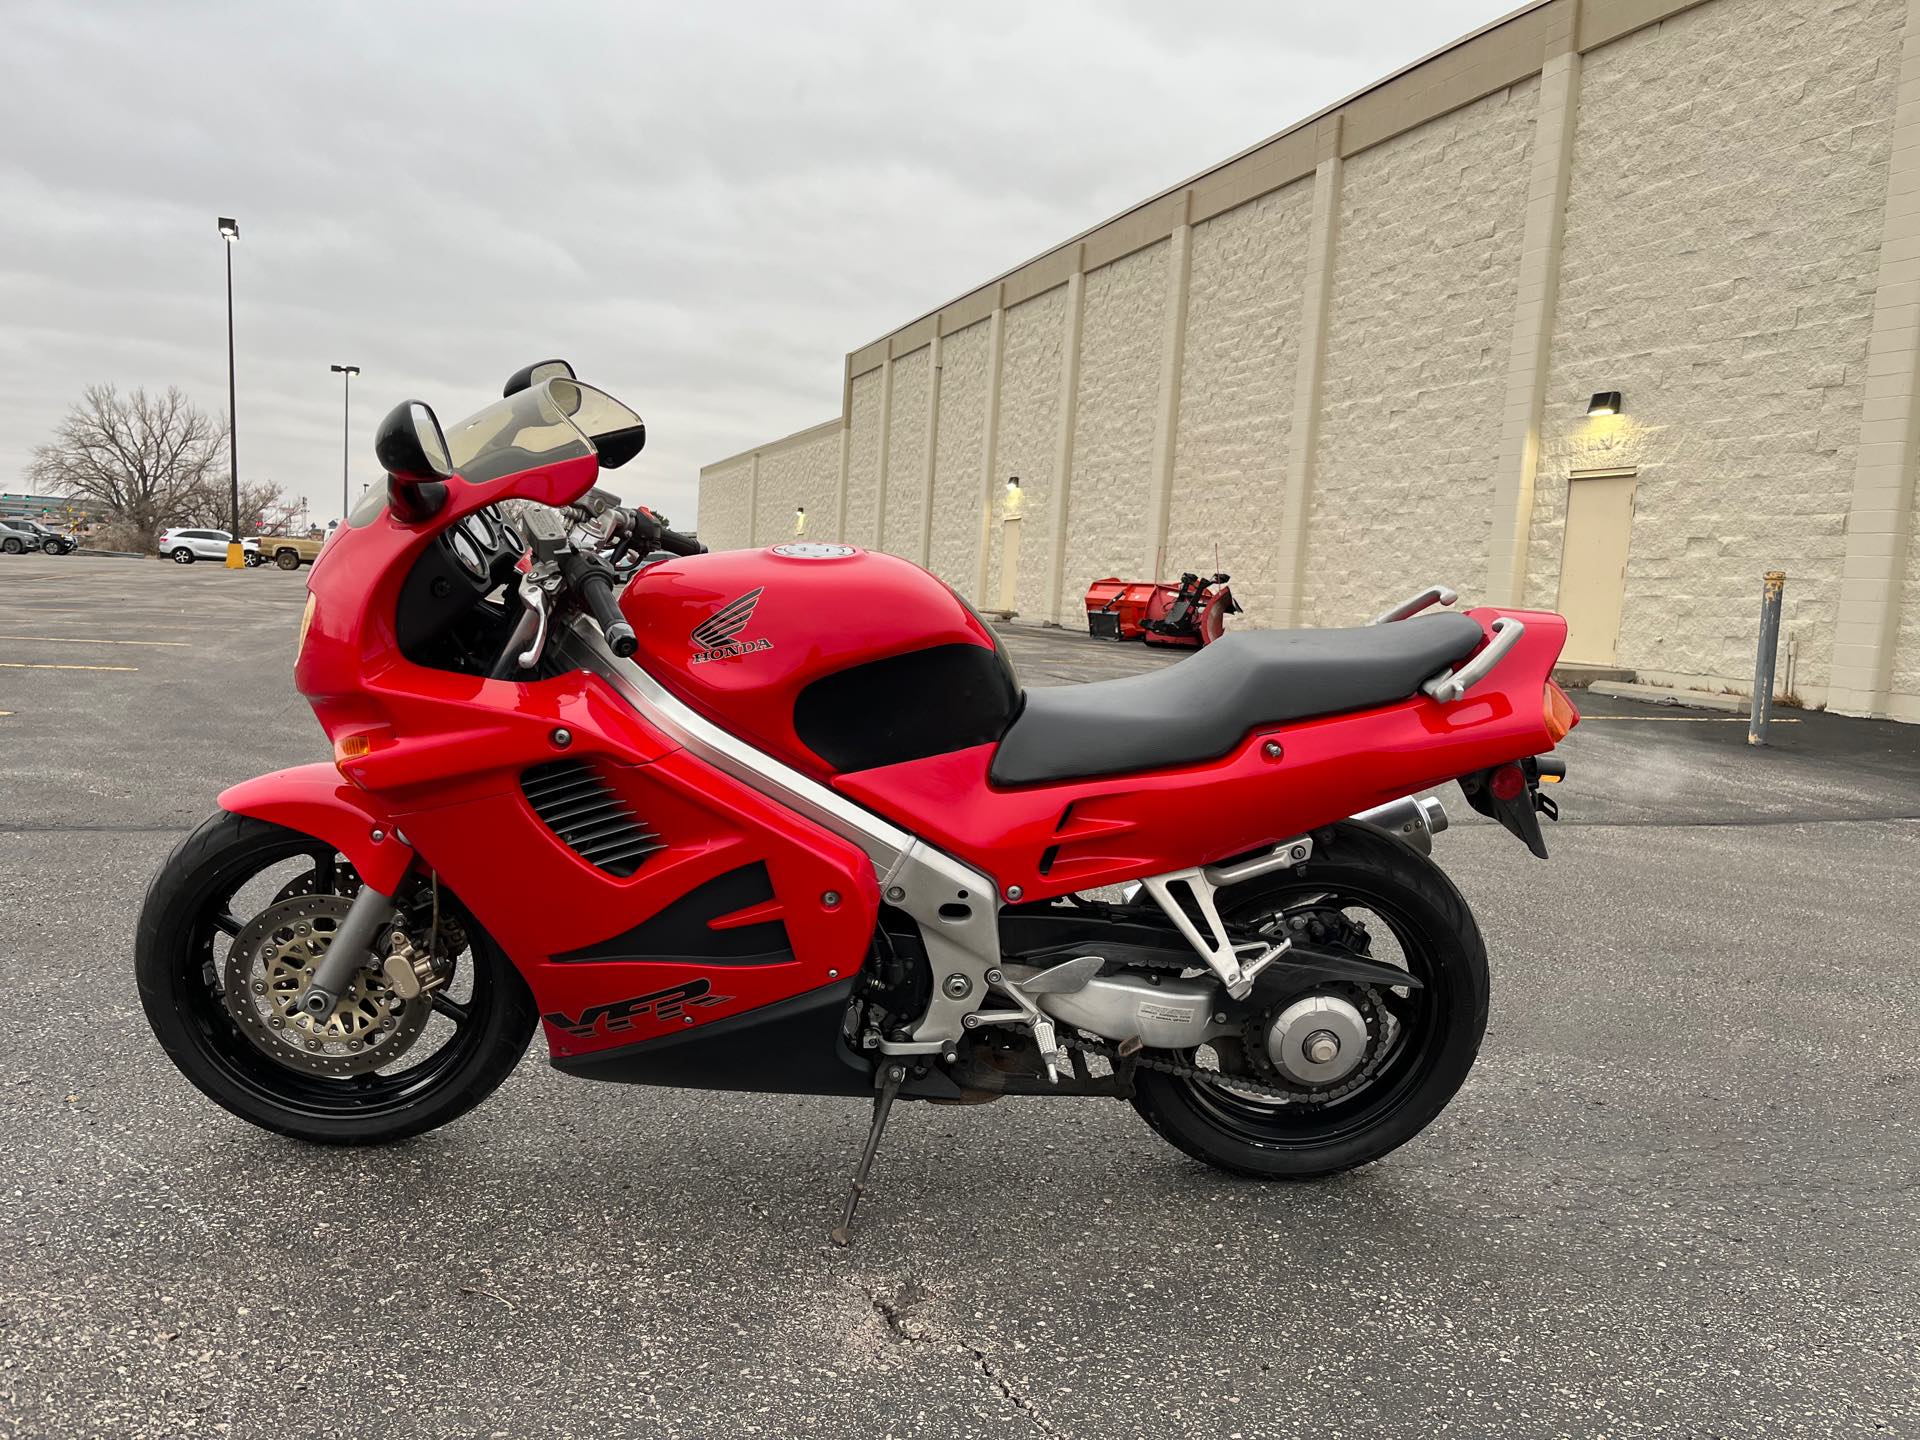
[413,451]
[409,444]
[532,375]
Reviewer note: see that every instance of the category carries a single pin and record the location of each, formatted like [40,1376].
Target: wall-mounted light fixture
[1013,483]
[1604,402]
[799,520]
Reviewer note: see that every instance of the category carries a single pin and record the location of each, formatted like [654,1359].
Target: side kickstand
[890,1080]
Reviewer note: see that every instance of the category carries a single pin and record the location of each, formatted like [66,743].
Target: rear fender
[314,800]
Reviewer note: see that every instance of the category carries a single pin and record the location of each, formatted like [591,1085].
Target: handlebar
[675,543]
[587,574]
[590,579]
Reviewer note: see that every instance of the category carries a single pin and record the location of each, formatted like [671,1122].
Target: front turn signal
[1557,710]
[356,746]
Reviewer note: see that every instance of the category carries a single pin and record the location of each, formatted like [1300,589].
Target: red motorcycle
[784,820]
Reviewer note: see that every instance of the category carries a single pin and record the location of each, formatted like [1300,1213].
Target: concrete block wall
[959,482]
[1722,238]
[1236,397]
[1029,422]
[1423,292]
[863,459]
[1712,206]
[907,453]
[1113,436]
[801,471]
[724,514]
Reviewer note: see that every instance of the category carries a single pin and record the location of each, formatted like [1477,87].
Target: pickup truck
[289,552]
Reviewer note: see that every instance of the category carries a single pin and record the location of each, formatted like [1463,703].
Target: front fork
[351,950]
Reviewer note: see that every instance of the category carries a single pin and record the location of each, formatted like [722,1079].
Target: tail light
[1557,710]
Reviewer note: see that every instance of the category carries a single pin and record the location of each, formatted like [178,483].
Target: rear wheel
[1328,1077]
[287,560]
[11,546]
[228,936]
[182,555]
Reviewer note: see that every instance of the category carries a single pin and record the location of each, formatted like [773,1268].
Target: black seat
[1204,706]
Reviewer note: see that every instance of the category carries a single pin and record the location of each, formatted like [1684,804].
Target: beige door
[1009,561]
[1593,565]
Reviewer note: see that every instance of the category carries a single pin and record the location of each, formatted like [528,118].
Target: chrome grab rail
[1414,604]
[1448,686]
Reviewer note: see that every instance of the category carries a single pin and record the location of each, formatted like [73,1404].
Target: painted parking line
[32,665]
[89,640]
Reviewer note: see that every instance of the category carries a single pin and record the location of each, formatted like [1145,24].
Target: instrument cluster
[444,603]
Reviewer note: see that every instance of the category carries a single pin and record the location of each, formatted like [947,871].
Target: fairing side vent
[576,802]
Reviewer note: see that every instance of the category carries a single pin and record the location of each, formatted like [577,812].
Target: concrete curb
[1660,695]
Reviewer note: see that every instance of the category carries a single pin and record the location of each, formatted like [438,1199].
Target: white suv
[183,547]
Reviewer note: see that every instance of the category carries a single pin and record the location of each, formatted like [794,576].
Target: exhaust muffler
[1416,820]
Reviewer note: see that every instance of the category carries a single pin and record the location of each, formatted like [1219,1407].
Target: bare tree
[143,457]
[263,506]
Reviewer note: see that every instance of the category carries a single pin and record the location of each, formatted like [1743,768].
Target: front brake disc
[267,971]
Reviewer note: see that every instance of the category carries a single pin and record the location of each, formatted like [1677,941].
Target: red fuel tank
[832,658]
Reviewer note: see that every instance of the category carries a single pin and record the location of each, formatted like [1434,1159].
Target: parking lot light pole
[346,374]
[236,555]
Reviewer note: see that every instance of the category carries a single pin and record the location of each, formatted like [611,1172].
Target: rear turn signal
[1557,710]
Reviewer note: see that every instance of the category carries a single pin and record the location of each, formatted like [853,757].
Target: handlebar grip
[595,589]
[678,544]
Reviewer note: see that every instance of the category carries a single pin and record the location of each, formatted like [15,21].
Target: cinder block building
[1365,354]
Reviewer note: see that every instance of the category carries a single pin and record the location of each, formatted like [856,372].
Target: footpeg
[1062,979]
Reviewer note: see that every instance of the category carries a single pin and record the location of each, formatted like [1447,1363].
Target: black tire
[12,547]
[1440,941]
[182,555]
[175,956]
[288,559]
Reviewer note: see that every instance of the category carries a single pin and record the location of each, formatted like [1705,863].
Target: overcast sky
[703,206]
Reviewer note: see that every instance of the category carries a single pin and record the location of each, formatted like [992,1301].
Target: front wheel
[1329,1076]
[231,929]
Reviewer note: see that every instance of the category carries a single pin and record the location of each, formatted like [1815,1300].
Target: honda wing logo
[718,636]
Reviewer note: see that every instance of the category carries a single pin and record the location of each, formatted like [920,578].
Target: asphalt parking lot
[1677,1198]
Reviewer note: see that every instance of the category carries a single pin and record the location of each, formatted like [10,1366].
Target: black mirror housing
[410,446]
[413,451]
[529,376]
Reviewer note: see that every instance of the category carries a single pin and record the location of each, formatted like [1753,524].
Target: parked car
[16,538]
[52,542]
[289,552]
[184,546]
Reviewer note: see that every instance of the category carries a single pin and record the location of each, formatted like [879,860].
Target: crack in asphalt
[910,1330]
